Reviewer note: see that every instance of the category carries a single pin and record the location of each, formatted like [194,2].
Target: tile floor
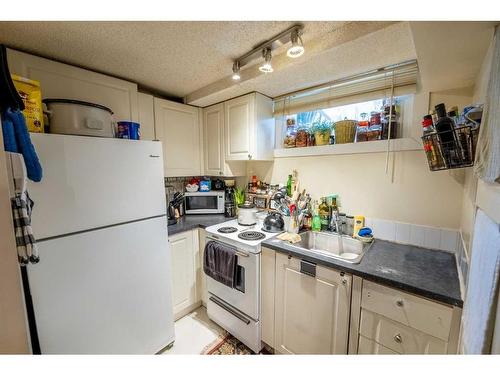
[194,332]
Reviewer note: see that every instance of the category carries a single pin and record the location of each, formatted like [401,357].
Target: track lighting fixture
[236,71]
[266,67]
[291,35]
[297,48]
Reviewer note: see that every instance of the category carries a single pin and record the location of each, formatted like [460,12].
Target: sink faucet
[335,220]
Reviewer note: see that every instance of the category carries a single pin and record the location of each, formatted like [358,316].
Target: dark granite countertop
[428,273]
[188,222]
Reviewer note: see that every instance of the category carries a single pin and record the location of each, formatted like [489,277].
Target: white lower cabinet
[268,273]
[367,346]
[311,308]
[184,249]
[400,322]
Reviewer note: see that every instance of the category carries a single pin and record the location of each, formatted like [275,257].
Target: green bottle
[316,221]
[289,186]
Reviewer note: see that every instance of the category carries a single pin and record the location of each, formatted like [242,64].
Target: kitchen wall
[470,185]
[410,194]
[13,331]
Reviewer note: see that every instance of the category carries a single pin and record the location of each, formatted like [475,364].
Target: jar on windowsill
[302,137]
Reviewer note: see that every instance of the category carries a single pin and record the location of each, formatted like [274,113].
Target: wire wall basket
[451,149]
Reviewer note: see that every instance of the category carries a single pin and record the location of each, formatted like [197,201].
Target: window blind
[372,85]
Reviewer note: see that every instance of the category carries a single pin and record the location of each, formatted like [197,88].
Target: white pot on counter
[247,214]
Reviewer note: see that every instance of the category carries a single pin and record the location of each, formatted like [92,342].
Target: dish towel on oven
[219,262]
[27,250]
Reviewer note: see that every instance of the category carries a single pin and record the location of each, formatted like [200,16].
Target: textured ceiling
[193,60]
[354,48]
[172,58]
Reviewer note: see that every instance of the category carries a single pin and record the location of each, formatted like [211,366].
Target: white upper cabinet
[249,128]
[177,126]
[64,81]
[213,128]
[215,163]
[146,116]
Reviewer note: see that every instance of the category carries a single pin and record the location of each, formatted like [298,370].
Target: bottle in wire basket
[431,147]
[445,128]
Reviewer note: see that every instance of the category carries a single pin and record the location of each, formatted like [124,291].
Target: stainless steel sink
[343,248]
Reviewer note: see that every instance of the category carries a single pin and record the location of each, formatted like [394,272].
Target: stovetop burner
[227,230]
[251,236]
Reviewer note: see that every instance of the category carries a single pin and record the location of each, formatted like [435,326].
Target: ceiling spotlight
[266,67]
[236,71]
[297,48]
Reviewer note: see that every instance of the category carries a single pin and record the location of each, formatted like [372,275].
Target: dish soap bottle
[316,221]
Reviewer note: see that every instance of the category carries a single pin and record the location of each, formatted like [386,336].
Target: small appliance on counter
[75,117]
[209,202]
[247,214]
[229,203]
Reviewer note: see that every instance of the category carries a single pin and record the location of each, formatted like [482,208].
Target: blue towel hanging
[17,139]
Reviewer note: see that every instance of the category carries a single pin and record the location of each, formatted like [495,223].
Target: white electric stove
[242,236]
[237,309]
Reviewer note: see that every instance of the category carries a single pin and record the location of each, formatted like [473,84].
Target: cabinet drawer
[367,346]
[398,337]
[429,317]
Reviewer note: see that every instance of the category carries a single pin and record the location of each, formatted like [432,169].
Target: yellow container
[359,222]
[30,92]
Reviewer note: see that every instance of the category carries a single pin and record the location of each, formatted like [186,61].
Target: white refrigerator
[103,283]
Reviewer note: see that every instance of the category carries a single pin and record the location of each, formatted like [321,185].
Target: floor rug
[227,344]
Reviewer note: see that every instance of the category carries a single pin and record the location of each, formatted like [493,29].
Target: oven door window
[208,202]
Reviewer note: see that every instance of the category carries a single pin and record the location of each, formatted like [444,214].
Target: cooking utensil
[247,214]
[273,223]
[76,117]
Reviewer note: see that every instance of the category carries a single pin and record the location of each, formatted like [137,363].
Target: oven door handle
[230,310]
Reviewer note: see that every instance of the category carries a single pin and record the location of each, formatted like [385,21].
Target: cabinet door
[183,272]
[213,128]
[178,128]
[312,312]
[146,116]
[238,128]
[65,81]
[268,276]
[202,279]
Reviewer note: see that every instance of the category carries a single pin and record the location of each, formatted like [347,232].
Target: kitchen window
[372,114]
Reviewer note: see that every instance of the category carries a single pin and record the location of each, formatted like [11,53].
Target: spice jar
[361,132]
[375,118]
[302,138]
[291,134]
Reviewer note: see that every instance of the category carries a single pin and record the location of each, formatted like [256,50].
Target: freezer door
[92,182]
[105,292]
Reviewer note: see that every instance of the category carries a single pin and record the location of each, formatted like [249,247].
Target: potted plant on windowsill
[322,131]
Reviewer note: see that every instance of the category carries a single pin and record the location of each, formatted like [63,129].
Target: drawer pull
[344,281]
[398,338]
[400,303]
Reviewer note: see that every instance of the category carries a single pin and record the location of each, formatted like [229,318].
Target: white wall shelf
[399,144]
